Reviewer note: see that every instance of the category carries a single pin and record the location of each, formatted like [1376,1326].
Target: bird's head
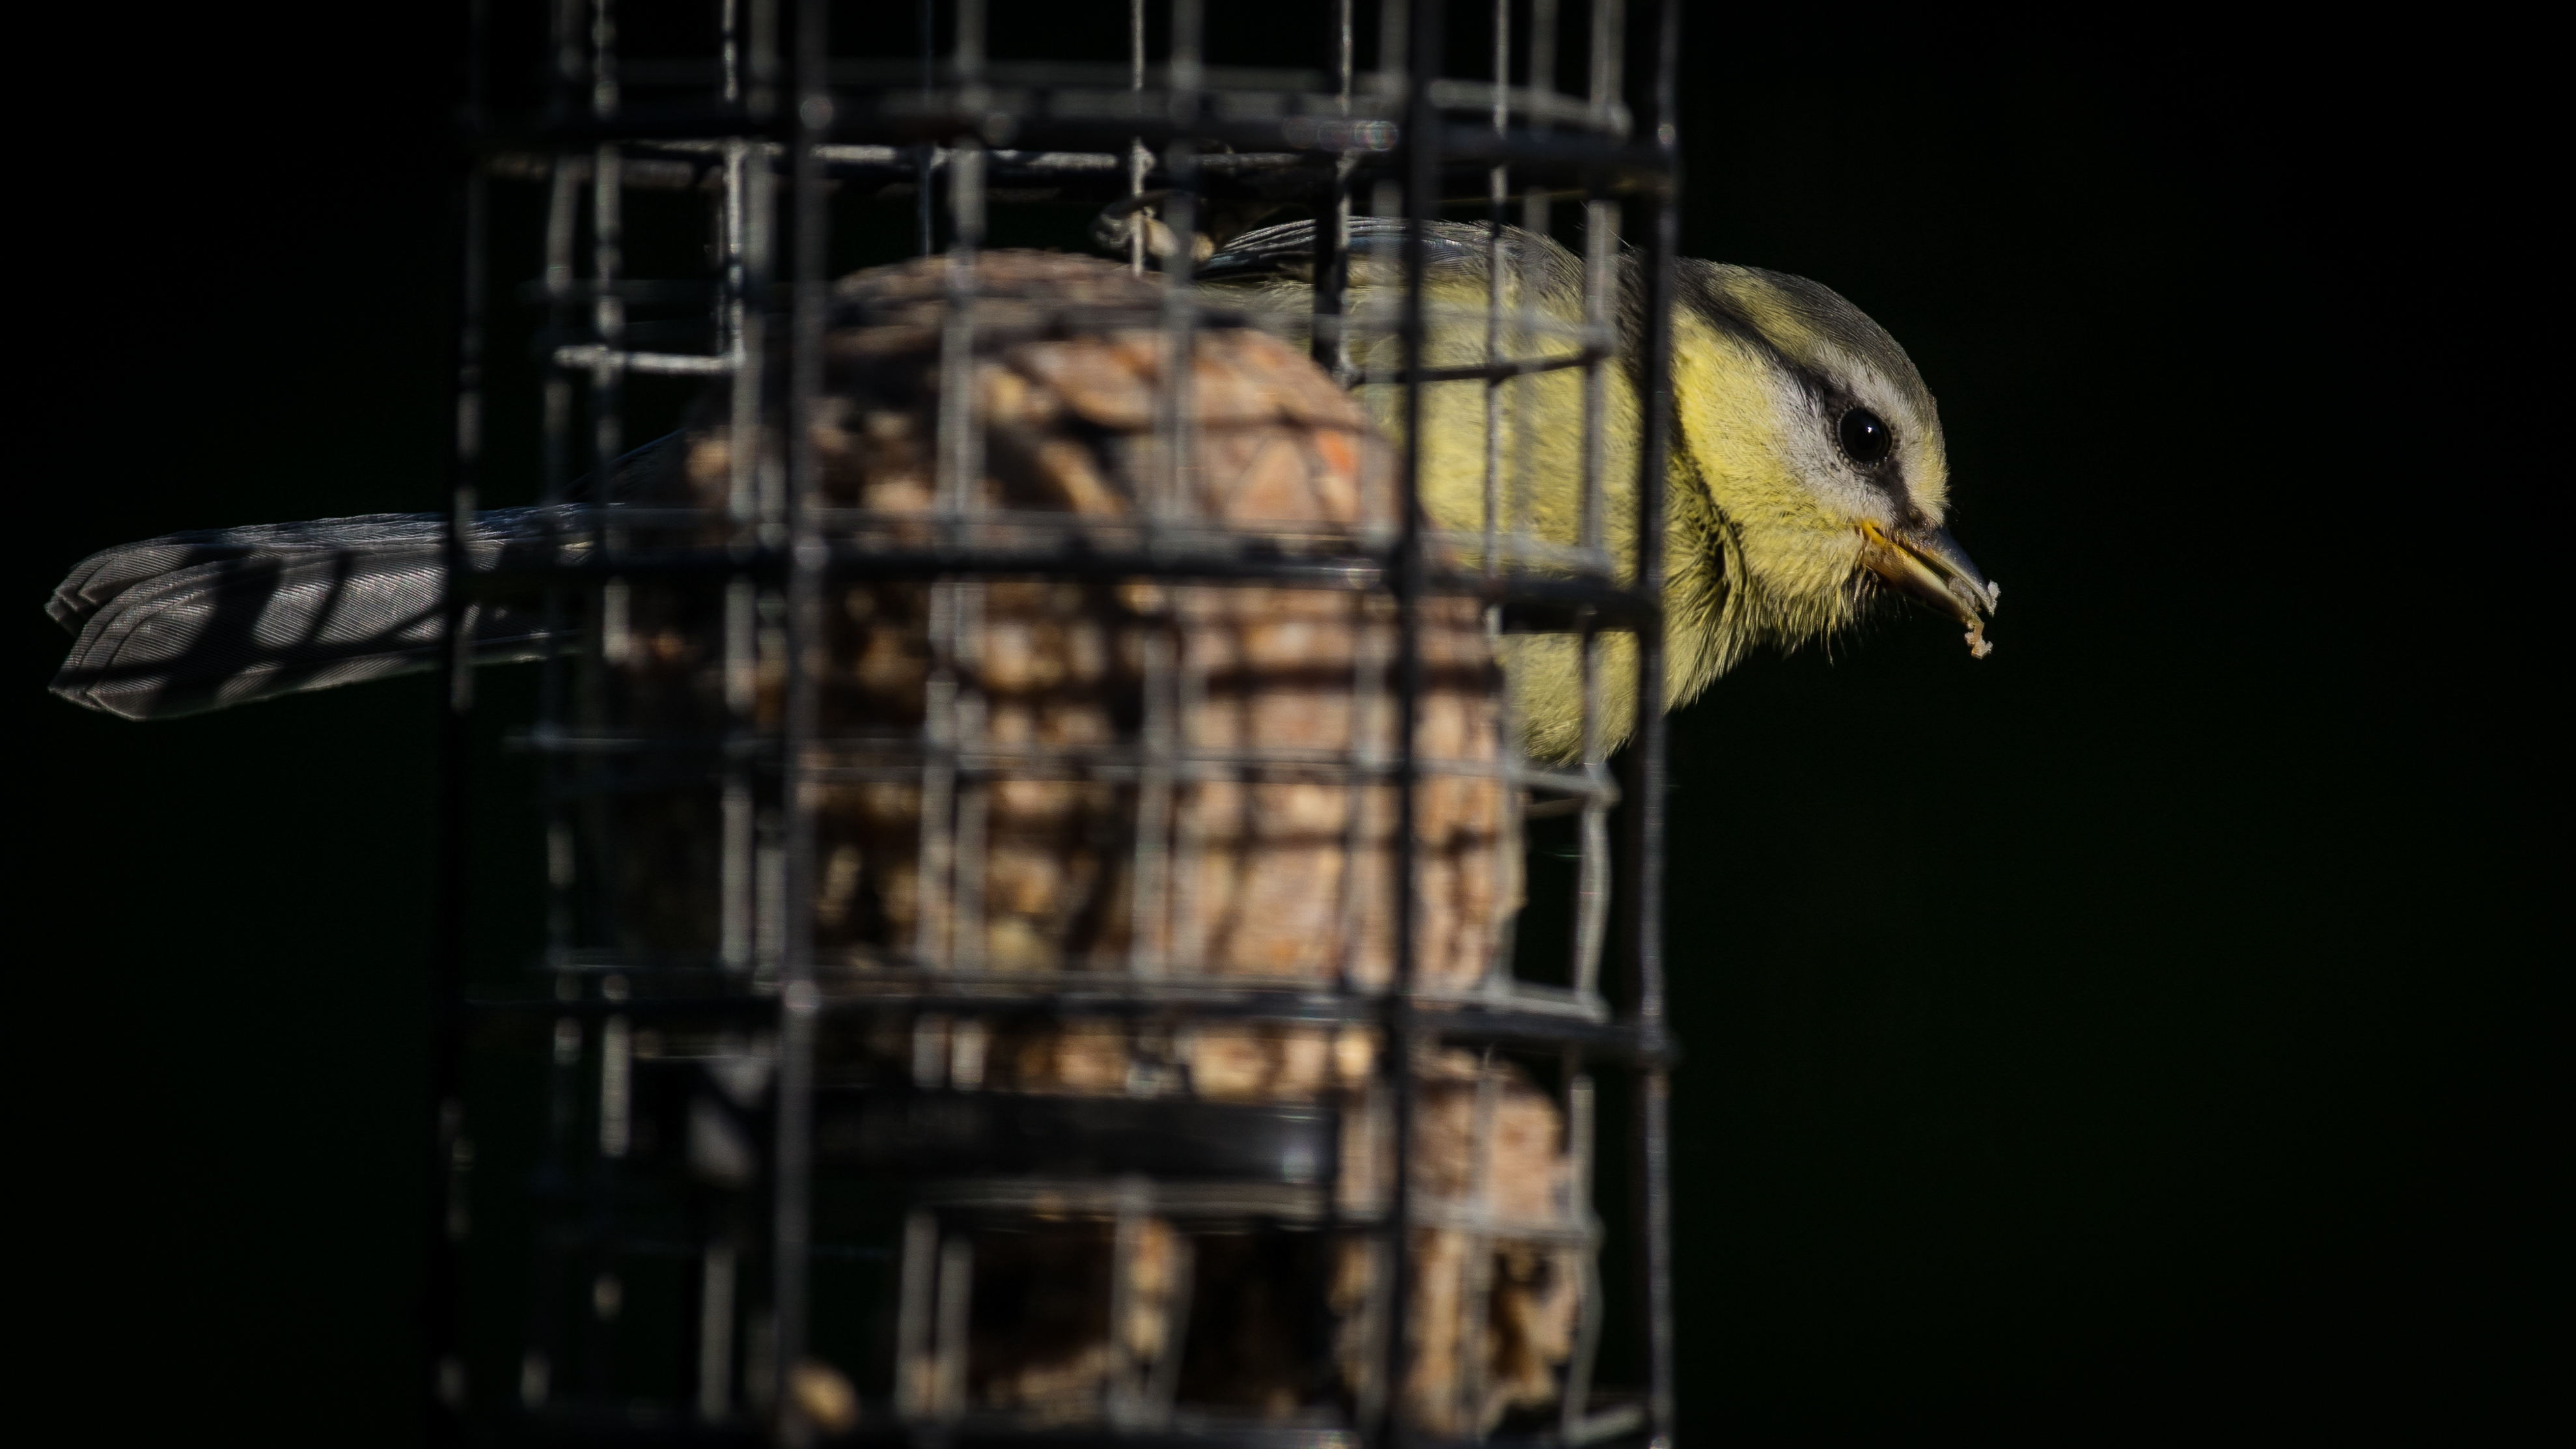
[1818,451]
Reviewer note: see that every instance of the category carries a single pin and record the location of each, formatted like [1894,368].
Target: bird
[1807,483]
[1807,480]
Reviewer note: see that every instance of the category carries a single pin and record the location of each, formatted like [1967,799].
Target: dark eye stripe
[1865,438]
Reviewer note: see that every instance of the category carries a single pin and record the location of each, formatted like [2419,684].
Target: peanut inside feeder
[1073,776]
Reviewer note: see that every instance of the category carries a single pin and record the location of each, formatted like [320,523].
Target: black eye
[1865,439]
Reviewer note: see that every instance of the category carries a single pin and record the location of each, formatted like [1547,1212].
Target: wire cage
[1037,941]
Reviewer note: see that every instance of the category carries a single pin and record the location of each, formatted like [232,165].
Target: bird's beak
[1929,564]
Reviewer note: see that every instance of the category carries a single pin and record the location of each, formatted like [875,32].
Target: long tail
[191,622]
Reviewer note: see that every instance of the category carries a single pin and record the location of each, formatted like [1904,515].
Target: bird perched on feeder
[1806,475]
[1807,478]
[1807,472]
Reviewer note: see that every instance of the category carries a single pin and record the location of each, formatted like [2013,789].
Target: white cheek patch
[1808,444]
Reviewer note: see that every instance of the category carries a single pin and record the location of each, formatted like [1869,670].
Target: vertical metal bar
[1579,1097]
[1369,662]
[608,263]
[563,214]
[1139,160]
[1163,1382]
[732,239]
[616,1086]
[1600,289]
[563,217]
[1499,515]
[715,1331]
[956,1304]
[603,57]
[1123,1396]
[597,1235]
[1150,872]
[1167,842]
[961,466]
[729,56]
[1186,881]
[444,1388]
[753,487]
[1542,54]
[1176,425]
[1330,345]
[924,209]
[1534,220]
[1475,1299]
[604,396]
[1421,206]
[1498,185]
[931,937]
[1344,52]
[1329,340]
[960,479]
[1609,38]
[563,1116]
[758,452]
[606,401]
[799,1000]
[1592,885]
[915,1394]
[752,519]
[760,90]
[571,58]
[1502,970]
[1600,258]
[967,931]
[1600,294]
[1647,756]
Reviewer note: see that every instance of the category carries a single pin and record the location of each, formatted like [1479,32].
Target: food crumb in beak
[1978,648]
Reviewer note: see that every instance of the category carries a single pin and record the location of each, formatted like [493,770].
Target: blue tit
[1807,478]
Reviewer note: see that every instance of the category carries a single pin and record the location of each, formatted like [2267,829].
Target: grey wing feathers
[1290,248]
[98,580]
[190,622]
[198,621]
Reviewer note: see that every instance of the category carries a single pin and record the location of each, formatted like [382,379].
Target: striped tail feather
[191,622]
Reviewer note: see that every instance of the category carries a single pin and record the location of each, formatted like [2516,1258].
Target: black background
[2136,1034]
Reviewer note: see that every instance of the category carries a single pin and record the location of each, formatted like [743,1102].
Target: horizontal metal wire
[1526,1016]
[1282,1202]
[591,357]
[901,758]
[572,1418]
[1546,604]
[1487,371]
[1086,120]
[1568,558]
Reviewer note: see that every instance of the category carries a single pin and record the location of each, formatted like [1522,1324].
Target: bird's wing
[100,579]
[190,622]
[1289,249]
[195,622]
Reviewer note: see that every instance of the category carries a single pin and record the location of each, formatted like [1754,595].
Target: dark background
[2138,1034]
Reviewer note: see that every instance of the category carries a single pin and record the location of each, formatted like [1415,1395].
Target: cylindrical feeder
[1054,930]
